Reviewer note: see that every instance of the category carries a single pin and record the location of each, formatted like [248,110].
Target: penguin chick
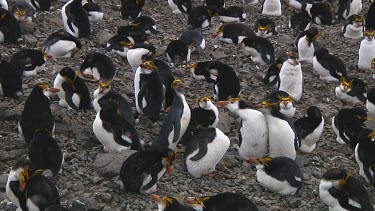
[138,53]
[166,203]
[177,120]
[180,6]
[28,189]
[286,103]
[44,152]
[260,49]
[205,150]
[366,51]
[147,23]
[30,61]
[328,66]
[10,29]
[4,4]
[113,130]
[364,156]
[253,131]
[290,77]
[272,76]
[232,33]
[265,27]
[300,22]
[370,102]
[75,19]
[74,93]
[307,44]
[97,66]
[10,79]
[44,5]
[178,52]
[222,202]
[321,13]
[341,191]
[130,10]
[94,11]
[200,17]
[370,17]
[310,129]
[141,171]
[23,11]
[352,90]
[196,38]
[136,34]
[232,14]
[62,44]
[278,174]
[271,7]
[36,113]
[120,44]
[348,8]
[353,27]
[215,3]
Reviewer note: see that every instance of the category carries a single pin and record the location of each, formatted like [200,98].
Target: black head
[312,34]
[168,156]
[358,19]
[321,50]
[335,174]
[314,111]
[360,113]
[264,24]
[119,42]
[69,74]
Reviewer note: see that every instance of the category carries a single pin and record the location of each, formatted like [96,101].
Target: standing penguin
[28,189]
[205,150]
[232,14]
[177,120]
[180,6]
[232,33]
[370,102]
[167,78]
[113,130]
[200,17]
[62,44]
[44,152]
[286,103]
[300,22]
[74,93]
[366,50]
[364,155]
[195,38]
[310,129]
[30,61]
[138,53]
[94,11]
[278,174]
[328,66]
[167,203]
[321,13]
[147,23]
[10,29]
[261,50]
[75,19]
[265,27]
[142,170]
[120,44]
[307,44]
[348,8]
[271,7]
[10,79]
[352,90]
[178,52]
[37,113]
[290,77]
[97,66]
[272,76]
[341,191]
[353,27]
[4,4]
[253,131]
[131,9]
[370,17]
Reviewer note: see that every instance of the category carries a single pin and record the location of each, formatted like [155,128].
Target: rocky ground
[89,180]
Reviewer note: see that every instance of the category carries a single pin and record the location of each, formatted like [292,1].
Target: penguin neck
[179,99]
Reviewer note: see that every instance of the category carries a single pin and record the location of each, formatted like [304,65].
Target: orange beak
[54,90]
[143,65]
[214,35]
[296,61]
[22,186]
[190,201]
[49,56]
[155,197]
[252,160]
[222,103]
[257,106]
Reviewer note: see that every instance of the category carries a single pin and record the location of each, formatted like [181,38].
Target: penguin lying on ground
[278,174]
[23,11]
[310,129]
[366,50]
[10,79]
[370,102]
[193,37]
[120,44]
[265,27]
[36,113]
[222,202]
[94,11]
[200,72]
[341,191]
[61,44]
[97,66]
[30,61]
[28,189]
[364,155]
[352,90]
[4,4]
[147,23]
[271,7]
[44,5]
[353,27]
[321,13]
[272,76]
[290,77]
[307,44]
[131,9]
[200,17]
[167,203]
[232,33]
[370,17]
[300,22]
[142,170]
[348,8]
[180,6]
[136,34]
[328,66]
[138,53]
[178,52]
[75,19]
[232,14]
[260,49]
[10,29]
[286,103]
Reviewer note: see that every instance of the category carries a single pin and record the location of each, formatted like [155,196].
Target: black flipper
[366,170]
[14,186]
[142,93]
[70,20]
[69,91]
[154,179]
[177,129]
[293,182]
[117,133]
[343,199]
[202,150]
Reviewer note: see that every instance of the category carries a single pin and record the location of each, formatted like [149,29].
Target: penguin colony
[270,136]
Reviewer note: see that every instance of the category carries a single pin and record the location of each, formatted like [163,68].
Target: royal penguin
[94,11]
[307,44]
[97,66]
[114,131]
[328,66]
[260,49]
[10,29]
[353,27]
[141,171]
[271,7]
[215,3]
[232,14]
[300,4]
[299,22]
[321,13]
[370,102]
[364,156]
[366,50]
[131,9]
[28,189]
[138,53]
[167,203]
[30,61]
[75,19]
[147,23]
[351,90]
[177,120]
[136,34]
[265,27]
[178,52]
[44,5]
[194,37]
[231,33]
[347,124]
[341,191]
[45,153]
[204,151]
[309,129]
[23,11]
[348,8]
[167,78]
[62,44]
[370,16]
[286,103]
[222,202]
[36,113]
[148,90]
[200,17]
[290,77]
[74,93]
[4,4]
[281,175]
[10,79]
[180,6]
[199,71]
[272,76]
[119,44]
[253,131]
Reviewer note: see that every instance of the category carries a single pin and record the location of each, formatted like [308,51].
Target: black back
[102,62]
[371,95]
[167,78]
[10,79]
[344,6]
[146,22]
[234,30]
[215,3]
[57,36]
[78,16]
[331,62]
[263,46]
[229,201]
[233,11]
[136,32]
[227,80]
[299,21]
[177,51]
[10,27]
[28,59]
[306,125]
[201,70]
[284,168]
[370,17]
[323,11]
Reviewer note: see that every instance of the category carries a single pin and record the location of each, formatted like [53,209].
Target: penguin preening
[177,120]
[260,49]
[351,90]
[136,34]
[232,14]
[10,29]
[141,171]
[178,52]
[366,50]
[180,6]
[370,102]
[232,33]
[321,13]
[364,156]
[193,37]
[167,78]
[348,8]
[272,76]
[265,27]
[28,189]
[166,203]
[75,19]
[353,27]
[94,11]
[147,23]
[200,72]
[271,7]
[138,53]
[291,78]
[23,11]
[30,61]
[370,17]
[300,22]
[61,44]
[120,44]
[36,113]
[328,66]
[200,17]
[10,79]
[307,44]
[97,66]
[4,4]
[278,174]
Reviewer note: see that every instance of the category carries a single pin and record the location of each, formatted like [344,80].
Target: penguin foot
[211,175]
[246,163]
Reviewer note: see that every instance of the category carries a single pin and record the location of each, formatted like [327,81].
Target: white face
[14,175]
[205,105]
[232,106]
[344,88]
[292,62]
[47,93]
[286,104]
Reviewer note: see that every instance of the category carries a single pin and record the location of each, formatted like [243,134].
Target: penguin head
[165,201]
[119,42]
[339,177]
[19,14]
[312,34]
[314,111]
[369,35]
[234,104]
[260,162]
[285,100]
[178,86]
[45,89]
[197,203]
[279,62]
[213,11]
[104,86]
[21,172]
[346,84]
[168,159]
[360,113]
[263,26]
[293,58]
[43,54]
[205,103]
[147,67]
[218,32]
[69,74]
[358,20]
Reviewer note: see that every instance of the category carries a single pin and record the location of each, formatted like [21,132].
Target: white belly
[353,32]
[342,95]
[272,7]
[274,185]
[366,54]
[323,72]
[309,142]
[136,91]
[147,180]
[95,16]
[336,130]
[291,80]
[360,164]
[306,52]
[326,197]
[228,19]
[174,7]
[61,48]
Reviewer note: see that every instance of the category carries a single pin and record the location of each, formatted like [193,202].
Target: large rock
[109,164]
[102,37]
[224,123]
